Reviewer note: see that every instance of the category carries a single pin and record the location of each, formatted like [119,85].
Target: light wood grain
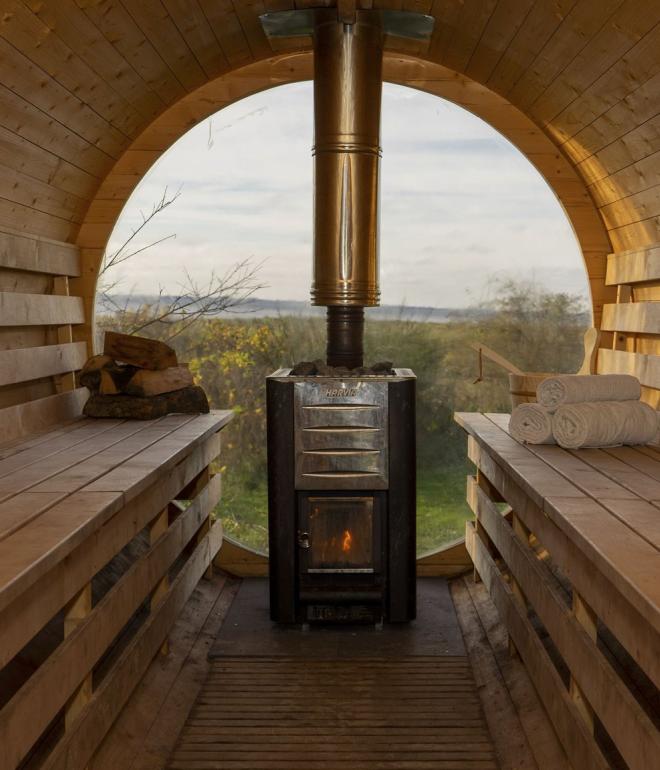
[645,367]
[624,719]
[45,361]
[39,700]
[574,552]
[39,255]
[38,415]
[632,317]
[51,558]
[78,745]
[514,749]
[39,310]
[573,734]
[543,741]
[145,732]
[634,266]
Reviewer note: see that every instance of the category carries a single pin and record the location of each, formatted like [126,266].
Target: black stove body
[341,497]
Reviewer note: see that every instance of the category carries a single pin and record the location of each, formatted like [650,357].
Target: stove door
[340,535]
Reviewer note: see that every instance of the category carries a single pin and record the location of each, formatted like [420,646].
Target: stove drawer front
[328,437]
[341,469]
[341,432]
[339,415]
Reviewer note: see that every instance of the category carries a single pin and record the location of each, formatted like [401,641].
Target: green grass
[441,508]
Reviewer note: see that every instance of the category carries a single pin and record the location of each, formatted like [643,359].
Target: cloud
[458,203]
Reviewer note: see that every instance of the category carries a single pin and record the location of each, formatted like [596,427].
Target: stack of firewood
[139,378]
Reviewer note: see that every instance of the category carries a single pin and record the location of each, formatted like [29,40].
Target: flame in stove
[347,542]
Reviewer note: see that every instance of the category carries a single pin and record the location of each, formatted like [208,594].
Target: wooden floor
[284,698]
[295,713]
[467,707]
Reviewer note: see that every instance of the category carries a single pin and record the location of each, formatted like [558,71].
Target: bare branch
[193,301]
[119,256]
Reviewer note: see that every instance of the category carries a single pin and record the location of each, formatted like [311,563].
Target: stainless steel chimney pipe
[347,98]
[348,63]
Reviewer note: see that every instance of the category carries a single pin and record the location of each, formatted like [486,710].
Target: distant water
[268,308]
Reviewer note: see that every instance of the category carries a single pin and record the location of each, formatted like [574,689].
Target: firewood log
[149,383]
[90,375]
[107,386]
[115,378]
[122,407]
[139,351]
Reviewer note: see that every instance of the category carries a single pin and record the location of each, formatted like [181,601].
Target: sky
[460,205]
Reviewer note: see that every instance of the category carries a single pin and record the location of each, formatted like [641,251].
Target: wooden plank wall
[38,357]
[635,318]
[93,94]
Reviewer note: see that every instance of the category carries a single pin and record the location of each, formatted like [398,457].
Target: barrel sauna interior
[94,92]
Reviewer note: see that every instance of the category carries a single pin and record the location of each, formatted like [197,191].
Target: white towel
[531,423]
[576,389]
[605,423]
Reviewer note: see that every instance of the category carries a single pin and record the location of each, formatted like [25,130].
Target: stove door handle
[303,539]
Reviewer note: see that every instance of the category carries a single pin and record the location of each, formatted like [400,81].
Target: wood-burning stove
[341,470]
[341,447]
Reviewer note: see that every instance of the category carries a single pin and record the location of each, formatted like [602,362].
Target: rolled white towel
[576,389]
[531,423]
[604,423]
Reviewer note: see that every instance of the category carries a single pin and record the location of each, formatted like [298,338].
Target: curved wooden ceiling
[94,90]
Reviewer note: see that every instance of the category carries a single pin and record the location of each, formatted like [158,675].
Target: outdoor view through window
[213,253]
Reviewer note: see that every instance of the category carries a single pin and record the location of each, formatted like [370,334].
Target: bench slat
[131,448]
[46,539]
[644,366]
[112,448]
[133,477]
[28,477]
[637,459]
[17,446]
[642,317]
[571,730]
[57,442]
[80,742]
[42,255]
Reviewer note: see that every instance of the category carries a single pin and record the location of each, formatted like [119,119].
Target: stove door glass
[341,534]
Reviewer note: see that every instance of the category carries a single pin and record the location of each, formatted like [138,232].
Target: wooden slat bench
[96,562]
[574,558]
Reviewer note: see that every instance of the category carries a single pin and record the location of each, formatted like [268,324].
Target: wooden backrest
[635,318]
[38,357]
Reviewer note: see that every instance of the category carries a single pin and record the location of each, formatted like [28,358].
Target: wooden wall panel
[40,414]
[28,252]
[631,267]
[39,309]
[85,40]
[632,317]
[93,93]
[25,364]
[645,367]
